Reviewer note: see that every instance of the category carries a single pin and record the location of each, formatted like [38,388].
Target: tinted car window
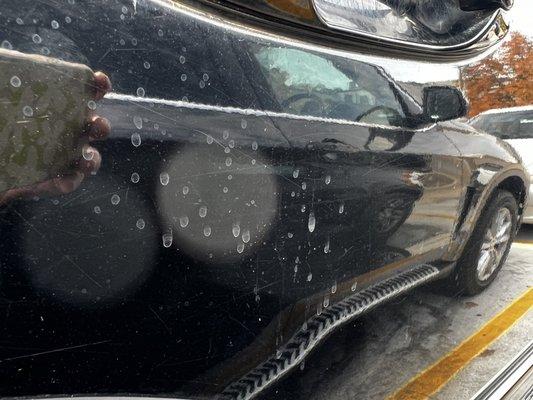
[511,125]
[308,84]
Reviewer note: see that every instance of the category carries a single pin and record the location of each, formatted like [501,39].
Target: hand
[97,128]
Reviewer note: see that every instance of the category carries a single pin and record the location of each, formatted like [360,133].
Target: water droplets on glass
[227,150]
[68,20]
[164,178]
[311,224]
[328,180]
[290,235]
[246,235]
[15,81]
[97,210]
[228,161]
[19,21]
[209,139]
[240,248]
[115,199]
[341,208]
[201,84]
[225,134]
[303,208]
[27,111]
[309,277]
[304,185]
[182,59]
[334,287]
[183,77]
[326,247]
[91,104]
[167,239]
[205,77]
[54,24]
[244,124]
[184,221]
[231,144]
[254,145]
[295,173]
[160,32]
[236,230]
[6,44]
[140,224]
[135,178]
[207,231]
[185,190]
[202,211]
[140,92]
[326,301]
[36,38]
[146,65]
[136,139]
[354,286]
[138,122]
[225,189]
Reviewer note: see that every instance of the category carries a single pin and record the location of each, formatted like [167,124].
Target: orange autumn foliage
[503,80]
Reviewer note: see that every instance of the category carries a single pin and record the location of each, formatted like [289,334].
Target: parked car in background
[515,126]
[268,177]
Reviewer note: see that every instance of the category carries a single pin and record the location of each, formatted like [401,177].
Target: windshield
[508,125]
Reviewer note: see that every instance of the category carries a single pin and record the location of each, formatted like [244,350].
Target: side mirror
[442,103]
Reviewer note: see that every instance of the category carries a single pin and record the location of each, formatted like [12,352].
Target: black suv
[273,170]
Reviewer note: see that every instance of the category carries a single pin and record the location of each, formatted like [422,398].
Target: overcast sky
[521,17]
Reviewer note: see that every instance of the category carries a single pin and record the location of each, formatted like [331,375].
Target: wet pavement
[375,356]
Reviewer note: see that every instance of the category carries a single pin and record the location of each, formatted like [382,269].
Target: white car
[515,126]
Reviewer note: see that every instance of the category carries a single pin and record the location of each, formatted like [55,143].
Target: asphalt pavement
[406,344]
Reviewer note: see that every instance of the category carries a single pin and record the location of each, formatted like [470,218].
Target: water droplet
[146,65]
[309,277]
[136,139]
[293,194]
[140,223]
[6,44]
[312,222]
[225,134]
[304,185]
[228,161]
[87,153]
[167,239]
[254,145]
[124,9]
[202,211]
[240,248]
[225,189]
[185,190]
[207,231]
[334,287]
[27,111]
[303,207]
[84,291]
[183,77]
[341,208]
[164,178]
[246,235]
[210,139]
[205,77]
[138,122]
[201,84]
[115,199]
[140,92]
[91,104]
[15,81]
[122,42]
[97,210]
[19,21]
[295,173]
[231,144]
[354,286]
[230,177]
[236,229]
[45,51]
[160,32]
[135,177]
[290,235]
[326,247]
[227,150]
[328,180]
[36,38]
[244,124]
[68,20]
[182,59]
[184,221]
[326,301]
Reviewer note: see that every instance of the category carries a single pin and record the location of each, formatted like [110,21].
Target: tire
[470,277]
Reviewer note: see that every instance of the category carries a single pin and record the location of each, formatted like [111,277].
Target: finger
[98,128]
[90,162]
[102,85]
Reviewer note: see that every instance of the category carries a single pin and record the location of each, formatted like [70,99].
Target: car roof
[507,110]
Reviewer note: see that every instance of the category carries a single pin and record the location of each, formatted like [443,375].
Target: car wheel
[489,245]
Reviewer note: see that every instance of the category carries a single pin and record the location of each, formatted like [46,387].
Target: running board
[320,326]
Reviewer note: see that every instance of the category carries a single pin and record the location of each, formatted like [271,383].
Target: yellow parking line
[433,378]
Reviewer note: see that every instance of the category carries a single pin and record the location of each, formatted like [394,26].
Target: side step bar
[513,382]
[320,326]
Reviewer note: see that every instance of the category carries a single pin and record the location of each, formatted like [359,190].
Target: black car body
[258,189]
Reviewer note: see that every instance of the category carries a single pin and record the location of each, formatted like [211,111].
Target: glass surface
[506,125]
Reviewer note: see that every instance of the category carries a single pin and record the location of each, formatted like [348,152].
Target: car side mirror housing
[442,103]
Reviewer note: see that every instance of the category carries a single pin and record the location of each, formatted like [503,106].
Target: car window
[308,84]
[511,125]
